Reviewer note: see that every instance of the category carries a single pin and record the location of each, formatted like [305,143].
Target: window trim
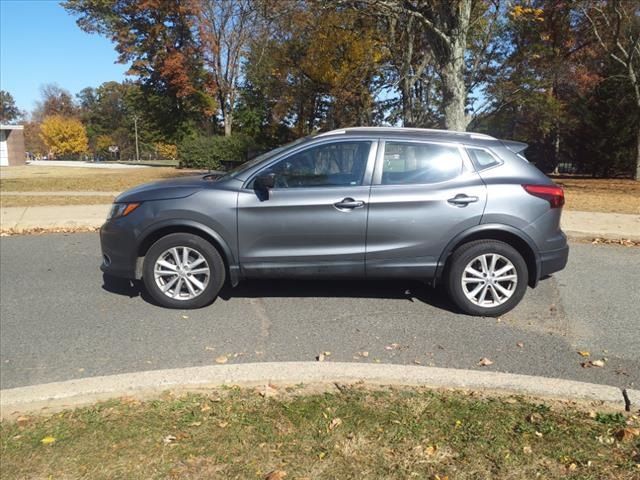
[377,174]
[477,167]
[366,178]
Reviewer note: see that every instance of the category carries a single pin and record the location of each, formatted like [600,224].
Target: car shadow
[412,291]
[390,289]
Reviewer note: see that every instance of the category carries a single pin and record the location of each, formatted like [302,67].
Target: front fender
[155,230]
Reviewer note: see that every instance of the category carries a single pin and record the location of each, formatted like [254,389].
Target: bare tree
[443,26]
[225,28]
[616,26]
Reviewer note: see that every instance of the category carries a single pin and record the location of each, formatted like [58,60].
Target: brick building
[12,145]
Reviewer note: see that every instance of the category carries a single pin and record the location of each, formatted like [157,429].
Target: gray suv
[463,209]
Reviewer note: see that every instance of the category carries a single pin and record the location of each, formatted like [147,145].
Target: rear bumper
[553,261]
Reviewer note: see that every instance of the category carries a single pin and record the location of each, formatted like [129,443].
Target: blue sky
[40,43]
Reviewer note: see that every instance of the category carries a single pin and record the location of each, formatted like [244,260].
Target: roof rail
[407,129]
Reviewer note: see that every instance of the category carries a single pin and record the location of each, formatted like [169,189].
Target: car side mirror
[265,182]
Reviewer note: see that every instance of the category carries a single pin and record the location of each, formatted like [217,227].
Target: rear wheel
[182,270]
[487,278]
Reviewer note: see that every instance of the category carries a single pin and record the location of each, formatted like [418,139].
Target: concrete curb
[73,393]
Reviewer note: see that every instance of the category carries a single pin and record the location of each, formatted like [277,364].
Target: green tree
[9,112]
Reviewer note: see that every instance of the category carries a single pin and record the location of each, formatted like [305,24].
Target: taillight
[554,194]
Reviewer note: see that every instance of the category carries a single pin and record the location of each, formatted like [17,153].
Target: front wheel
[487,278]
[182,270]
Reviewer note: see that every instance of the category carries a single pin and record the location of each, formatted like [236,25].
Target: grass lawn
[68,179]
[30,201]
[601,195]
[591,195]
[357,433]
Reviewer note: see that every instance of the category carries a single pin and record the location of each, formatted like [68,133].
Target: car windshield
[260,158]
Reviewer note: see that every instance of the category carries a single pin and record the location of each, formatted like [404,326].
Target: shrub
[213,152]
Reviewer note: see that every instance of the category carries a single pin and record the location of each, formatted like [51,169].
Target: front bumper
[553,261]
[119,249]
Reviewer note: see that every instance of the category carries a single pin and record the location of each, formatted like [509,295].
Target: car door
[313,220]
[423,194]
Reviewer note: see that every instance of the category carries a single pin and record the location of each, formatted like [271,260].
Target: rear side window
[419,163]
[482,158]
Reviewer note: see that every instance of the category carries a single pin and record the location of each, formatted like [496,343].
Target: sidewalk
[577,225]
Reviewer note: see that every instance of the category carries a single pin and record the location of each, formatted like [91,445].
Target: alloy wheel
[489,280]
[181,273]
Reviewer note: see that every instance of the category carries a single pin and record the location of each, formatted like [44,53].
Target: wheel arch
[155,233]
[504,233]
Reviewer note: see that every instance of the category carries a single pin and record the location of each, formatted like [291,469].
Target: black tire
[202,246]
[468,252]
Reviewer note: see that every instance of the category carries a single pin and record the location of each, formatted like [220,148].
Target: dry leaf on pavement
[485,362]
[583,353]
[222,359]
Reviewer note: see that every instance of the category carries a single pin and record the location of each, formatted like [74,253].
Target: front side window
[340,164]
[419,163]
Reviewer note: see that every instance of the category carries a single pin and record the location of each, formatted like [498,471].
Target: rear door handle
[348,204]
[462,200]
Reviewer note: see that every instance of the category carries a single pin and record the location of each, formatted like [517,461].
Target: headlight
[121,210]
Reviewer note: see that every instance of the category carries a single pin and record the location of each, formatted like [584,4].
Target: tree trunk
[637,175]
[454,91]
[407,103]
[228,118]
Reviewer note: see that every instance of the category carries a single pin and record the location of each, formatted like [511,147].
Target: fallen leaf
[583,353]
[275,475]
[268,391]
[392,346]
[205,408]
[527,450]
[363,354]
[593,414]
[169,439]
[417,362]
[593,363]
[223,424]
[534,418]
[520,345]
[185,316]
[48,440]
[195,424]
[335,423]
[209,349]
[627,434]
[485,362]
[320,357]
[430,450]
[538,434]
[222,359]
[573,467]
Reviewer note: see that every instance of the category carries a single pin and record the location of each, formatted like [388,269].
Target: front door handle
[462,200]
[348,204]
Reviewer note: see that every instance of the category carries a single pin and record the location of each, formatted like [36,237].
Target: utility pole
[135,127]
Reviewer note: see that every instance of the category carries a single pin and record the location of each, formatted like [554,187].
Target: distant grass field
[357,433]
[585,194]
[601,195]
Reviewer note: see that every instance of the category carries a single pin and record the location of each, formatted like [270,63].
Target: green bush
[214,152]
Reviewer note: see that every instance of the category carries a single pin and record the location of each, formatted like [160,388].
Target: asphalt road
[59,321]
